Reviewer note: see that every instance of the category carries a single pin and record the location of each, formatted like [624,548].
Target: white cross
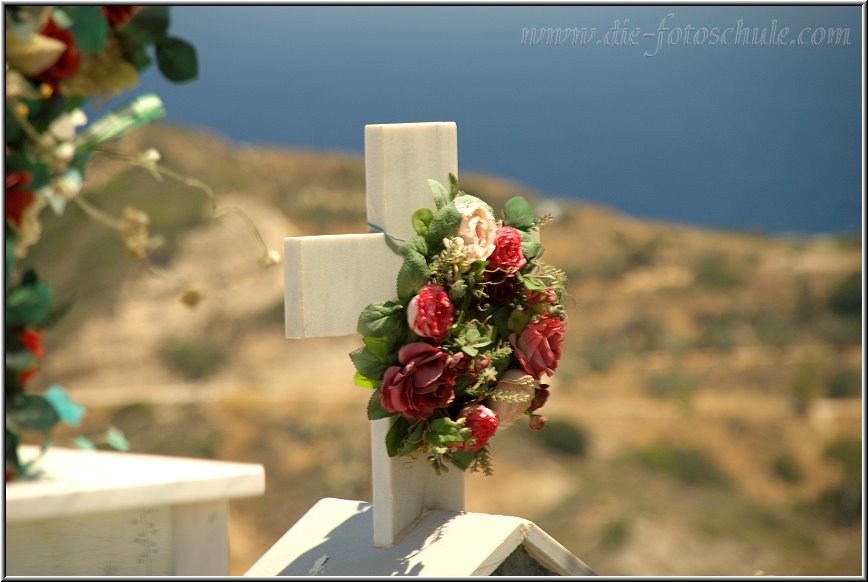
[330,279]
